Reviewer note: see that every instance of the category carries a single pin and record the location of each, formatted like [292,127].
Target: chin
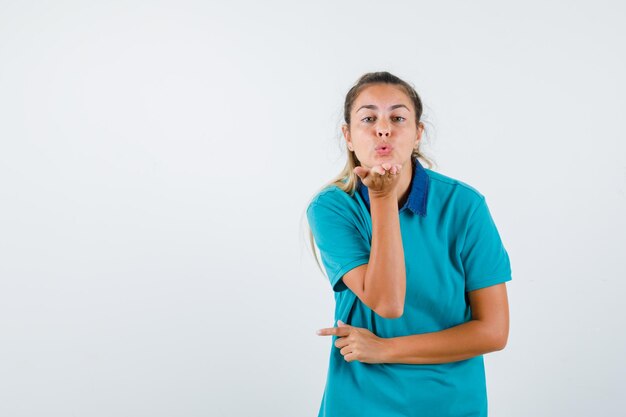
[382,159]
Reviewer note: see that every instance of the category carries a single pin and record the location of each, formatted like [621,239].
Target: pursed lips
[384,148]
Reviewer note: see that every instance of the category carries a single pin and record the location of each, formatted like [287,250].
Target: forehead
[383,96]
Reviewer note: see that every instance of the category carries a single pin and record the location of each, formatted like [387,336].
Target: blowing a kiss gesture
[357,343]
[381,180]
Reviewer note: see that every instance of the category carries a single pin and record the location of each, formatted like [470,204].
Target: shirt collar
[418,194]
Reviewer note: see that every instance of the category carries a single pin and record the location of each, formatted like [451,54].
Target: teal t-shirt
[451,246]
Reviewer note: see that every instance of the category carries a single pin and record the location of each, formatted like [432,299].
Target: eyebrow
[373,107]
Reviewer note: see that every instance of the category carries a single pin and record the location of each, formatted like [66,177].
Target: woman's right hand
[380,180]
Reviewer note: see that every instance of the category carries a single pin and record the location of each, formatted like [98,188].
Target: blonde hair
[347,180]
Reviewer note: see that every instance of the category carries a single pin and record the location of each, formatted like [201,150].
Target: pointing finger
[337,331]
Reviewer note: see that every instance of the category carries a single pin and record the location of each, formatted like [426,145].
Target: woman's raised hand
[380,180]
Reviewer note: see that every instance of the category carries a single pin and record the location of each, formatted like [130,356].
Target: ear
[420,130]
[346,134]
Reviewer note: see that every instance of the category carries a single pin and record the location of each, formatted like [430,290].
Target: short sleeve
[485,260]
[341,244]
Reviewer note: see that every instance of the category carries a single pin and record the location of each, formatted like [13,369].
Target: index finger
[337,331]
[379,169]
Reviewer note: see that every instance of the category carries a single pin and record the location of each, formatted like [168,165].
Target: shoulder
[446,188]
[331,196]
[333,205]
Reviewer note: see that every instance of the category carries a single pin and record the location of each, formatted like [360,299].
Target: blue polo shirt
[451,246]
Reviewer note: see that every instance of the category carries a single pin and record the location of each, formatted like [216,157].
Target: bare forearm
[385,277]
[456,343]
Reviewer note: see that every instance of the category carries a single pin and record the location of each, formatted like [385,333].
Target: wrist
[388,349]
[383,198]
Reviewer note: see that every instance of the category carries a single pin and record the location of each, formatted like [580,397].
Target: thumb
[341,323]
[361,171]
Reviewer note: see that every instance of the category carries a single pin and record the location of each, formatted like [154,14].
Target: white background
[156,159]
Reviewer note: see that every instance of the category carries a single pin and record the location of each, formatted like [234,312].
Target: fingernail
[318,332]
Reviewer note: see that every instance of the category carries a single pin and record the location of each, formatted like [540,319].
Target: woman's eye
[398,118]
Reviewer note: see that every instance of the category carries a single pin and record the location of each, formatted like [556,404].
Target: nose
[383,130]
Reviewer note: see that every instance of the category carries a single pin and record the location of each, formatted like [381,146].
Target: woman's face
[382,126]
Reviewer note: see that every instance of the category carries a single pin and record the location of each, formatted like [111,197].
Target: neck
[405,183]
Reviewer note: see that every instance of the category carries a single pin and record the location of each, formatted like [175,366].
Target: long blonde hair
[347,180]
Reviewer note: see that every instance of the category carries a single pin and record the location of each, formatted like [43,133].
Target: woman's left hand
[357,343]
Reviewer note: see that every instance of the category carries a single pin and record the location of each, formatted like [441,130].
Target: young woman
[416,264]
